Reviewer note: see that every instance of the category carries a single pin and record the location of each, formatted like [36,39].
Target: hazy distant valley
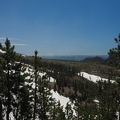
[73,57]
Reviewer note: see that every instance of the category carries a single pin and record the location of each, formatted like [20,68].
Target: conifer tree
[114,61]
[35,96]
[41,92]
[9,57]
[60,115]
[2,88]
[13,83]
[52,112]
[69,111]
[43,98]
[78,108]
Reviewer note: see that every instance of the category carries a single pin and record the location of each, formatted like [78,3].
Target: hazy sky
[60,27]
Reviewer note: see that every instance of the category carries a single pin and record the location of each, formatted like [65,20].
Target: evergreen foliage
[13,83]
[29,98]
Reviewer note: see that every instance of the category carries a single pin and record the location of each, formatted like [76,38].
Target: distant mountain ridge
[67,57]
[73,57]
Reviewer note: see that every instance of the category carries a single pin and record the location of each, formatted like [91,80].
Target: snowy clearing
[93,78]
[63,100]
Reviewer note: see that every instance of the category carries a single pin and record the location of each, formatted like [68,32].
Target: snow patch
[2,51]
[63,100]
[51,79]
[93,78]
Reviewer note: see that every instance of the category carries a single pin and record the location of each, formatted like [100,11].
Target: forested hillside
[26,88]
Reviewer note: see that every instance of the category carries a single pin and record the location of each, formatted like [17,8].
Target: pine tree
[35,96]
[114,61]
[60,115]
[69,111]
[2,88]
[43,98]
[77,107]
[13,83]
[52,112]
[9,57]
[41,93]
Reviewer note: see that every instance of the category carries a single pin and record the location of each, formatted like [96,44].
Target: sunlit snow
[63,100]
[93,78]
[2,51]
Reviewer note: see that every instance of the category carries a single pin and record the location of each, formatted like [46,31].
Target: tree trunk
[8,92]
[35,96]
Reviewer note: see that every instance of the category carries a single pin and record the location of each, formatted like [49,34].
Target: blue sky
[60,27]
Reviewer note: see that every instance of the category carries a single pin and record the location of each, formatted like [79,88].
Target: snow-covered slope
[63,100]
[93,78]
